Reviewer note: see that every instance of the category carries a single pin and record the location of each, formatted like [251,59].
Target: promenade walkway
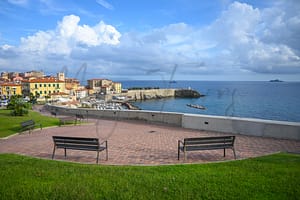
[138,143]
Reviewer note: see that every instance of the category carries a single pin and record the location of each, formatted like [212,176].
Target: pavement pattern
[138,143]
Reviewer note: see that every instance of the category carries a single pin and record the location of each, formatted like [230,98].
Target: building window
[40,85]
[57,85]
[41,92]
[53,85]
[49,85]
[45,85]
[35,86]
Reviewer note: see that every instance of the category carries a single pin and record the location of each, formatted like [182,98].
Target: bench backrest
[79,116]
[76,142]
[27,123]
[219,140]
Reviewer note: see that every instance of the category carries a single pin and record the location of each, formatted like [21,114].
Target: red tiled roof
[43,80]
[59,93]
[10,84]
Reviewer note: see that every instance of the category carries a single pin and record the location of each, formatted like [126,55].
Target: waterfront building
[61,76]
[60,96]
[8,89]
[42,87]
[17,79]
[104,86]
[81,93]
[72,83]
[117,87]
[4,76]
[96,84]
[35,74]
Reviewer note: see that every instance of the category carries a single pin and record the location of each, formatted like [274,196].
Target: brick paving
[138,143]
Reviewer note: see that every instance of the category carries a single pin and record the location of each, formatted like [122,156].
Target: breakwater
[146,94]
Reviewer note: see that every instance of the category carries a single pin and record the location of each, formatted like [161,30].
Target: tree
[18,106]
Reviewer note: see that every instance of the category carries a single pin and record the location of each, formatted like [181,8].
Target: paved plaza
[138,143]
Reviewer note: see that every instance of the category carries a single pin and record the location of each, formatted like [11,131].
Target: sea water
[262,100]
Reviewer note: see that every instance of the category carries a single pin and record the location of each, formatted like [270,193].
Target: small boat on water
[276,81]
[196,106]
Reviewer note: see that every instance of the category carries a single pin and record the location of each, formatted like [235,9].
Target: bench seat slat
[208,138]
[92,142]
[208,142]
[73,138]
[205,147]
[81,147]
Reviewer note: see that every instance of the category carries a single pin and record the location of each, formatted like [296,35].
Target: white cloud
[68,35]
[256,40]
[105,4]
[18,2]
[243,39]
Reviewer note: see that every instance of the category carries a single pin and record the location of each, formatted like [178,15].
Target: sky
[250,40]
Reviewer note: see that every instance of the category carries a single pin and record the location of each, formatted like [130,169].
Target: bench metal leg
[53,152]
[178,150]
[224,152]
[106,152]
[97,156]
[234,153]
[65,152]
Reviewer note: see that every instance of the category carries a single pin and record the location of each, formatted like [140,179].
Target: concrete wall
[234,125]
[149,116]
[243,126]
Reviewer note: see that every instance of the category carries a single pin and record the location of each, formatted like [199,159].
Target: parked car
[3,103]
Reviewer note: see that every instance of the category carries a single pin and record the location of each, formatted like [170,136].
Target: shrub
[18,106]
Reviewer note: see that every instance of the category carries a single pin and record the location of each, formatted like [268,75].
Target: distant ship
[196,106]
[276,80]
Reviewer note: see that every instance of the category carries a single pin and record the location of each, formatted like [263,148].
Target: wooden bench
[79,143]
[29,125]
[68,119]
[54,114]
[79,117]
[206,143]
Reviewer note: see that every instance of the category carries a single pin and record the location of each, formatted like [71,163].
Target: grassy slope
[11,124]
[270,177]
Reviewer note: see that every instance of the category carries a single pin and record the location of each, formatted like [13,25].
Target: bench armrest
[180,142]
[103,143]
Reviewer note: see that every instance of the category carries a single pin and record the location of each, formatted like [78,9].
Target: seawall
[145,94]
[231,125]
[150,94]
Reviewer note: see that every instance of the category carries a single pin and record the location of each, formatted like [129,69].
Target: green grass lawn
[11,124]
[270,177]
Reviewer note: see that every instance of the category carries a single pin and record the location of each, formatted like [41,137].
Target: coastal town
[99,93]
[35,85]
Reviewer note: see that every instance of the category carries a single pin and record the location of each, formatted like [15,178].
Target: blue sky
[133,39]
